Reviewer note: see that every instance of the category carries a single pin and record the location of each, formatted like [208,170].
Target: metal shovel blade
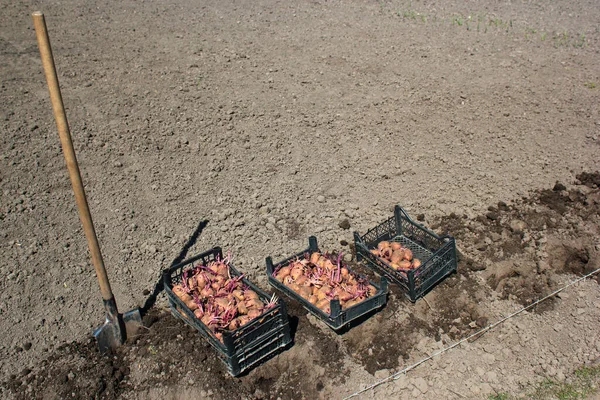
[109,336]
[133,322]
[117,327]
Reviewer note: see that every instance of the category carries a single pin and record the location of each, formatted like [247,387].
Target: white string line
[480,332]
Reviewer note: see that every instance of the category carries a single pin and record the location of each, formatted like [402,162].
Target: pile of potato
[398,257]
[220,301]
[320,278]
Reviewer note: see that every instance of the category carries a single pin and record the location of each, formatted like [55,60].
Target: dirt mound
[576,256]
[520,239]
[75,370]
[590,179]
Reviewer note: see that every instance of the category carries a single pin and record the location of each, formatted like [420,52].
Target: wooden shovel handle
[67,146]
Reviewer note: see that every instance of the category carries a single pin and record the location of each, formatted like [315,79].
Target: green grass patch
[482,23]
[559,39]
[580,41]
[412,14]
[581,384]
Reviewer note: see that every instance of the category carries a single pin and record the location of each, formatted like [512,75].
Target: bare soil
[252,126]
[170,354]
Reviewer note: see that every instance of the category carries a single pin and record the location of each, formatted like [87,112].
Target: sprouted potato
[398,257]
[319,278]
[220,301]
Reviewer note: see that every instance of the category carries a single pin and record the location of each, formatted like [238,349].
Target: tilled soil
[253,126]
[170,357]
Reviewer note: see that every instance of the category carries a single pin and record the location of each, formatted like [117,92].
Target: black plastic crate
[338,318]
[248,345]
[436,253]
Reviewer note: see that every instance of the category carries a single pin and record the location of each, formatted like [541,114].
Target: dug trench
[514,252]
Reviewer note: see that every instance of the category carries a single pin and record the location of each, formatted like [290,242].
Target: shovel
[117,327]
